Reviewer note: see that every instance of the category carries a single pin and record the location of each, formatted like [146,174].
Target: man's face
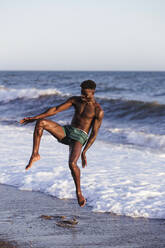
[87,94]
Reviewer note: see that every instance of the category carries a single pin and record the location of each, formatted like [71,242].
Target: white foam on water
[138,138]
[7,94]
[118,179]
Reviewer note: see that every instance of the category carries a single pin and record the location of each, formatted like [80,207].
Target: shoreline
[33,219]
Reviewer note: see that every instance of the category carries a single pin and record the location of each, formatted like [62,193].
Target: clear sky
[82,34]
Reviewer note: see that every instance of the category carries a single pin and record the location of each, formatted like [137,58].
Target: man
[88,116]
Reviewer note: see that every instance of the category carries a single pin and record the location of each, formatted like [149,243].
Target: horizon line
[137,70]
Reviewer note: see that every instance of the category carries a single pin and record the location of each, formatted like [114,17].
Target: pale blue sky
[82,35]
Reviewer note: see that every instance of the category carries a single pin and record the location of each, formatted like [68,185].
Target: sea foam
[118,179]
[137,138]
[8,94]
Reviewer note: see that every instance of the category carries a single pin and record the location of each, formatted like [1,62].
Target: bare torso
[85,113]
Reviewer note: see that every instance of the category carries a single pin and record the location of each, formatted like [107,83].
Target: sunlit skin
[88,117]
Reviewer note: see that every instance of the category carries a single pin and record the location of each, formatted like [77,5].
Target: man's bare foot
[33,159]
[81,200]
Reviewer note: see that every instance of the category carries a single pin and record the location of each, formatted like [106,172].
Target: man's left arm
[95,128]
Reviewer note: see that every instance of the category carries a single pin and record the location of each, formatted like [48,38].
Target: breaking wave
[7,94]
[131,109]
[137,138]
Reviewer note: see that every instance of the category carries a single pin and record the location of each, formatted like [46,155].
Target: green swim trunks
[73,133]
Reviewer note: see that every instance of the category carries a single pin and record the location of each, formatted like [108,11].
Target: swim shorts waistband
[81,130]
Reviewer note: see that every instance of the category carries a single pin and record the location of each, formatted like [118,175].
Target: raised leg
[75,151]
[53,128]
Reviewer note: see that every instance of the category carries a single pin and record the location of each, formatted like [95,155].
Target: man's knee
[41,123]
[72,165]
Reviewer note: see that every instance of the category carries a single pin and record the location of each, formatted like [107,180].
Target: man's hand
[27,120]
[84,160]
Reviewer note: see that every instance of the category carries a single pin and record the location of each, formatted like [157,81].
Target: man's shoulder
[99,111]
[98,107]
[74,99]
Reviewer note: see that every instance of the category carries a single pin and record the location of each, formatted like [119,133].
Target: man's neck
[91,101]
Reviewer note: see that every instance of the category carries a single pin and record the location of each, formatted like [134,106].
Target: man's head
[88,84]
[87,90]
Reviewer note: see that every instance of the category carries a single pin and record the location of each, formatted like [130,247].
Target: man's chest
[85,110]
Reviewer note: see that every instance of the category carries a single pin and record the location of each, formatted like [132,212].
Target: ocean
[126,164]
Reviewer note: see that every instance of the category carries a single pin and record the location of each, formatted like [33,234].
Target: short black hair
[88,84]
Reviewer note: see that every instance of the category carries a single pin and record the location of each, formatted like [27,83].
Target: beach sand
[32,219]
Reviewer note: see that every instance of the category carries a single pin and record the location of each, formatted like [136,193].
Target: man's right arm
[50,112]
[95,128]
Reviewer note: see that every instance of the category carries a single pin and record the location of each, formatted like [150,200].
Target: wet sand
[32,219]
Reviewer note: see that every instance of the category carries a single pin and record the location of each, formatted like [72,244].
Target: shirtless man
[88,116]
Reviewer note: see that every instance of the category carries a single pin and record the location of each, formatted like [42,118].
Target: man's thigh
[74,151]
[54,128]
